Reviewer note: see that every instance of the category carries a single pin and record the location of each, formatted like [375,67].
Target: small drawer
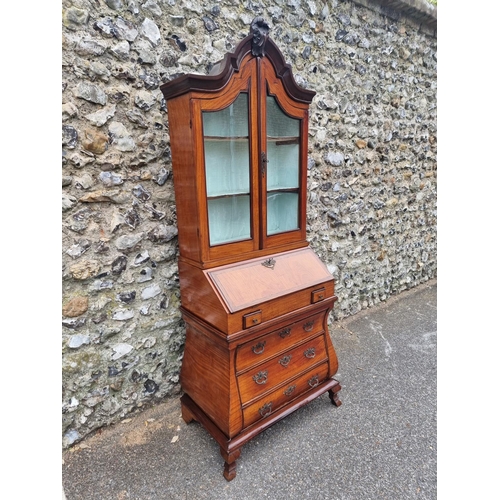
[252,319]
[318,295]
[262,348]
[285,394]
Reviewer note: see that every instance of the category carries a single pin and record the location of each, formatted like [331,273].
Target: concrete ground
[381,443]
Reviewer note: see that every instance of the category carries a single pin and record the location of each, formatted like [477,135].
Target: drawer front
[264,347]
[266,376]
[318,295]
[286,393]
[252,319]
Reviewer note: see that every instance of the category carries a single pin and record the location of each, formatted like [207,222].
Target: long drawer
[284,394]
[264,377]
[262,348]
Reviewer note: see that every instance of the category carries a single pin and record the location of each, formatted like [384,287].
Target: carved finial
[260,31]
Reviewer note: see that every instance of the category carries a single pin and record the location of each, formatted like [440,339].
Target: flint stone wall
[371,172]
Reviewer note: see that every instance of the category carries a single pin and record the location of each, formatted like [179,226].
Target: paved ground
[380,444]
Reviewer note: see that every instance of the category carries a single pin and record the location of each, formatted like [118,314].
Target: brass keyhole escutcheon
[264,161]
[269,263]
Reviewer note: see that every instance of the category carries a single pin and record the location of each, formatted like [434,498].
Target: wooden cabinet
[255,297]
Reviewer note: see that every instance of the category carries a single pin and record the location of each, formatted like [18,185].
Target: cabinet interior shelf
[219,138]
[283,190]
[283,141]
[228,195]
[280,141]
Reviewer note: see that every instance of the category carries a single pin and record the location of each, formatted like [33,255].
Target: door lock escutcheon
[263,161]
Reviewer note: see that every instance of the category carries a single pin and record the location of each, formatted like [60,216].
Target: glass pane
[283,156]
[283,165]
[227,167]
[229,219]
[227,171]
[279,124]
[229,122]
[282,212]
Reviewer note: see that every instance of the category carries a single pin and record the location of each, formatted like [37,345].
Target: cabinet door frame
[270,84]
[242,82]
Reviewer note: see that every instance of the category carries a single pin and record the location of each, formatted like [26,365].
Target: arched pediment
[257,43]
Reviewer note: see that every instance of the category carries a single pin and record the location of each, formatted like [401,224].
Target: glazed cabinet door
[228,184]
[283,127]
[226,144]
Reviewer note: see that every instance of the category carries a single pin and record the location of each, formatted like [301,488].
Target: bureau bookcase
[255,298]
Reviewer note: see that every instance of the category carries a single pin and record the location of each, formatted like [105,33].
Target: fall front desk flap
[255,281]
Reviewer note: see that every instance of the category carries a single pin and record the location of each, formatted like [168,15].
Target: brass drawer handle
[260,378]
[310,353]
[285,332]
[266,409]
[289,390]
[308,326]
[258,348]
[314,381]
[285,361]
